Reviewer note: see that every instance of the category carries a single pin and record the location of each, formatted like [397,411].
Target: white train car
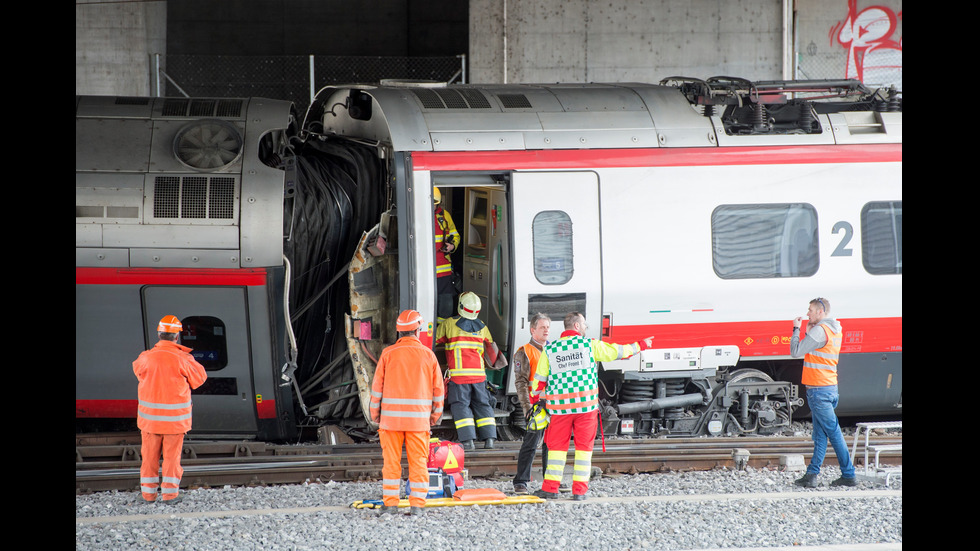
[704,213]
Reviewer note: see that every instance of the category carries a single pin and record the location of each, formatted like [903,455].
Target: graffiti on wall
[874,54]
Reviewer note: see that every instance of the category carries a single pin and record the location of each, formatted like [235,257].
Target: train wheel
[747,375]
[750,376]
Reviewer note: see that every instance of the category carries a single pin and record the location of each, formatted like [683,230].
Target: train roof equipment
[678,112]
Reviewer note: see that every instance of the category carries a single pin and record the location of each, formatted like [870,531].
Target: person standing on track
[406,400]
[568,367]
[820,350]
[467,340]
[166,373]
[529,391]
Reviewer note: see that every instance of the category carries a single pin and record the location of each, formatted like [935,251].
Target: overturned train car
[705,213]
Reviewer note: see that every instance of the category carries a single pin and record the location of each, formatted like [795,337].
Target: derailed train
[705,213]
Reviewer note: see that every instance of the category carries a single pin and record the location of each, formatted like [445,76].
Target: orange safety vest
[407,392]
[535,387]
[166,374]
[820,366]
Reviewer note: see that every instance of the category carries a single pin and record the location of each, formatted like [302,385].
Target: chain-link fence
[293,78]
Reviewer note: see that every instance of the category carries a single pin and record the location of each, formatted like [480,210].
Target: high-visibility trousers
[471,409]
[417,451]
[583,427]
[170,445]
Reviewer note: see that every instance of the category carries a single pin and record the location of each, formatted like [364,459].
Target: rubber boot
[488,444]
[468,445]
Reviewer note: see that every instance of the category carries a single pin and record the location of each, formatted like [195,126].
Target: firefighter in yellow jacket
[447,241]
[166,374]
[406,399]
[467,340]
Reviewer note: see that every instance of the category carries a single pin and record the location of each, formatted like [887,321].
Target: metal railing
[293,78]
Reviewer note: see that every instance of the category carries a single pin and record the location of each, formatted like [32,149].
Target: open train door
[557,251]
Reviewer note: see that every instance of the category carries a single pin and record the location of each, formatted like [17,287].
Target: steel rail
[209,464]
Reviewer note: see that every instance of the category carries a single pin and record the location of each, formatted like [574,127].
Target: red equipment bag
[447,456]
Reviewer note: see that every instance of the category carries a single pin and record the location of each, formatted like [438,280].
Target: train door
[486,261]
[215,325]
[557,251]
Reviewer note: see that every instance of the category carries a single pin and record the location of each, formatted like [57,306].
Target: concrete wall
[624,40]
[648,40]
[574,40]
[113,45]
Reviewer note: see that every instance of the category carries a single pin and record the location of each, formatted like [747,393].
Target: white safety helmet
[469,305]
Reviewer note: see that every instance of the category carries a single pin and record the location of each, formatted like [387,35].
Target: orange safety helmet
[408,320]
[169,324]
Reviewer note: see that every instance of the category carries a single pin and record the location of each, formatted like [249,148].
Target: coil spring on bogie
[636,391]
[674,388]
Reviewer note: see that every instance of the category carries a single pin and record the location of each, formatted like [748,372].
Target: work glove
[646,344]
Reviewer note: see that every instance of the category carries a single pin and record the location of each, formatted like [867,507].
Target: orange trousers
[170,445]
[417,451]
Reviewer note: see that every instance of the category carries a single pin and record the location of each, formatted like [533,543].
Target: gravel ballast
[714,509]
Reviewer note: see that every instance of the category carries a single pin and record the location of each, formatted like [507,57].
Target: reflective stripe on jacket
[820,366]
[568,365]
[407,392]
[166,374]
[445,232]
[464,351]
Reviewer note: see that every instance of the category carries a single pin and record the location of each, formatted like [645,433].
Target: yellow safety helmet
[408,320]
[169,324]
[469,305]
[436,195]
[539,417]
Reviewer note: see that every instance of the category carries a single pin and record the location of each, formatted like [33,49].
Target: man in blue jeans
[820,350]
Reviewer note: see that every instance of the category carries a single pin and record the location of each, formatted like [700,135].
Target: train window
[764,241]
[881,237]
[552,240]
[207,336]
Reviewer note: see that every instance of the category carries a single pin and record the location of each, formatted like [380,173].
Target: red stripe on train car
[122,409]
[665,157]
[763,338]
[152,276]
[106,409]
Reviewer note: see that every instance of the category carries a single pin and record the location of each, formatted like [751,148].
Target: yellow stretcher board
[450,502]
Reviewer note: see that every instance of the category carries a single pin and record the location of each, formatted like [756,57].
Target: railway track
[111,462]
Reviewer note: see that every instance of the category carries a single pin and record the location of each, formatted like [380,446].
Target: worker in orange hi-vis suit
[406,399]
[166,374]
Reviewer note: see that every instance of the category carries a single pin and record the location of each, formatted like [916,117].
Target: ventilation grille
[132,101]
[447,98]
[194,197]
[514,101]
[224,108]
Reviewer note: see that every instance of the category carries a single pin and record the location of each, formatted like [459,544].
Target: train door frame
[216,411]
